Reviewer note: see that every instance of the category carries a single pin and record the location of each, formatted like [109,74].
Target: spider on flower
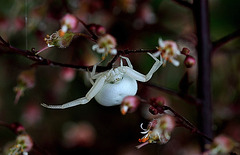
[111,86]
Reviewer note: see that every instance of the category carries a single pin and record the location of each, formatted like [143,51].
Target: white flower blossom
[168,50]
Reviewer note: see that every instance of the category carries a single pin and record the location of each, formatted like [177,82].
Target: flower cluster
[168,50]
[158,131]
[106,44]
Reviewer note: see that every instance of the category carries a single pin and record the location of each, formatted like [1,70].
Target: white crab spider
[113,85]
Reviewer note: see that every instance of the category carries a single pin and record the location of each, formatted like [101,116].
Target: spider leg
[91,93]
[95,75]
[141,77]
[89,76]
[127,60]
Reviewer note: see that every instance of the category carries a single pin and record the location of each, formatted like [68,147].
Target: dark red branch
[180,120]
[6,48]
[14,127]
[188,98]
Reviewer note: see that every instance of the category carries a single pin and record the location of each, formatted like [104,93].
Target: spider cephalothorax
[111,86]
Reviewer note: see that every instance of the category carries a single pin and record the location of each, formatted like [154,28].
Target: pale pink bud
[67,74]
[70,21]
[189,61]
[81,134]
[129,104]
[32,114]
[27,78]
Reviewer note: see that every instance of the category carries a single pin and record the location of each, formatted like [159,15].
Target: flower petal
[174,62]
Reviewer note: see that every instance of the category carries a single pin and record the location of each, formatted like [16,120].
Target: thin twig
[87,27]
[4,42]
[181,121]
[218,43]
[188,98]
[184,3]
[187,124]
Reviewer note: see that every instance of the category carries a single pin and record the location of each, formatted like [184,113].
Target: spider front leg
[144,78]
[91,93]
[128,61]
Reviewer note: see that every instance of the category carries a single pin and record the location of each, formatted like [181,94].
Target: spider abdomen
[113,93]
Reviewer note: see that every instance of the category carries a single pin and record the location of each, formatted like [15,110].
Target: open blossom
[158,131]
[59,39]
[168,50]
[106,44]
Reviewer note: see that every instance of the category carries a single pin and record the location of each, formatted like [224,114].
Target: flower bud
[158,101]
[189,61]
[129,104]
[153,110]
[81,134]
[69,22]
[185,51]
[17,128]
[67,74]
[100,30]
[26,80]
[92,27]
